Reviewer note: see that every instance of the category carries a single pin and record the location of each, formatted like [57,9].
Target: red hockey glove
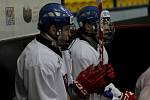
[94,79]
[127,95]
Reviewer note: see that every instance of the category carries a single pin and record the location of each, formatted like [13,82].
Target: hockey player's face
[91,28]
[60,33]
[65,34]
[106,25]
[52,32]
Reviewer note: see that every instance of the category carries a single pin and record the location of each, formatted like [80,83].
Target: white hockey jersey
[83,55]
[39,75]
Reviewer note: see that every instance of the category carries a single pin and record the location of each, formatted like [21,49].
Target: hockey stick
[100,33]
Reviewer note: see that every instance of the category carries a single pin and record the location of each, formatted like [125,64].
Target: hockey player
[107,27]
[109,31]
[39,67]
[85,55]
[92,77]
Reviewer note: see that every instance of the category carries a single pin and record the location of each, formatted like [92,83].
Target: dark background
[129,52]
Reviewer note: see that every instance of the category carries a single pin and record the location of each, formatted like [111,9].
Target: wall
[130,13]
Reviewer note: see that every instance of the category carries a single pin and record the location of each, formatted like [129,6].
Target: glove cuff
[80,89]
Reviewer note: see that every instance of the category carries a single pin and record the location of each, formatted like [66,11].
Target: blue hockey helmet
[54,14]
[88,14]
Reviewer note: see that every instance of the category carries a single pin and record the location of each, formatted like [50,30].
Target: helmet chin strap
[53,37]
[57,40]
[49,38]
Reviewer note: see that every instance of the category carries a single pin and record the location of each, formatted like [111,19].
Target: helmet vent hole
[51,14]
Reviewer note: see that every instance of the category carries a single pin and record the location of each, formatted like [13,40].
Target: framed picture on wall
[10,16]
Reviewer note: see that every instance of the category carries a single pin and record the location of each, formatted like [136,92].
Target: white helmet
[105,13]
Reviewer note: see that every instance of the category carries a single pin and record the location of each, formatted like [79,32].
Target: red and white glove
[94,79]
[127,95]
[118,95]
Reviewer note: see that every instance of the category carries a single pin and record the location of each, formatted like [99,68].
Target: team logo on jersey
[27,14]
